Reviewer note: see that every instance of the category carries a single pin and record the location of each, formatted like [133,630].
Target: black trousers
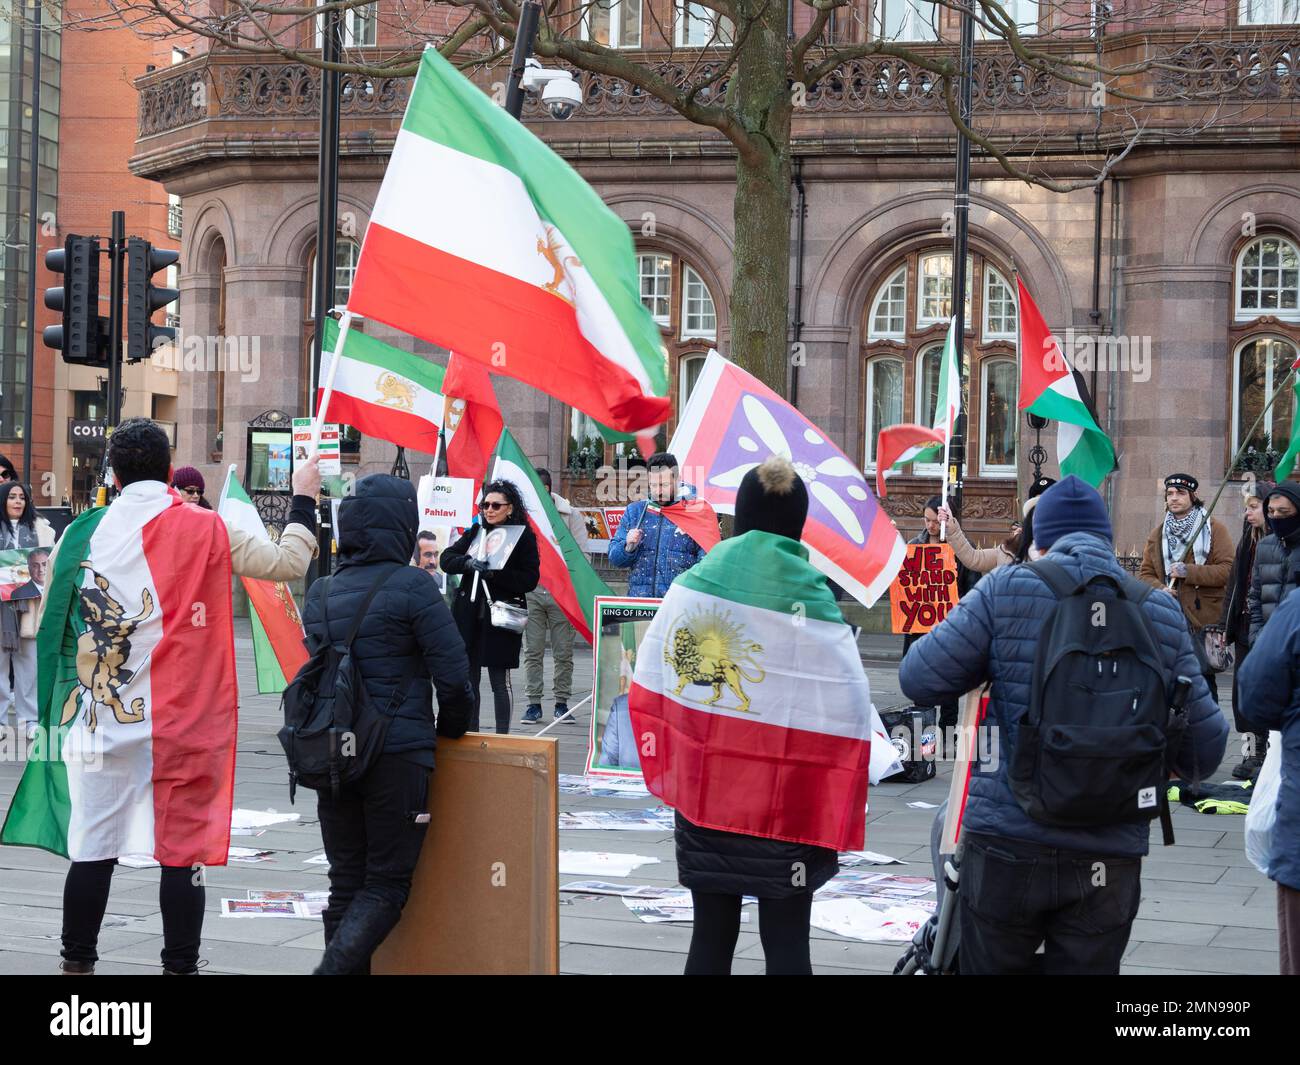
[181,896]
[1258,740]
[1016,896]
[372,839]
[782,928]
[499,678]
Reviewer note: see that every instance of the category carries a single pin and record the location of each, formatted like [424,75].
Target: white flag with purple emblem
[733,421]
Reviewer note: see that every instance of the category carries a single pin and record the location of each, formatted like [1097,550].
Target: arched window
[999,418]
[888,319]
[346,254]
[699,319]
[689,368]
[934,296]
[1261,365]
[909,309]
[999,307]
[884,400]
[1268,279]
[656,273]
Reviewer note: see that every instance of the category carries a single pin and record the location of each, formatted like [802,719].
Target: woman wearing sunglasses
[487,644]
[21,528]
[189,483]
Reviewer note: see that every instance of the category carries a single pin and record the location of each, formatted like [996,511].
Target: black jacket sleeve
[444,656]
[522,569]
[455,558]
[302,511]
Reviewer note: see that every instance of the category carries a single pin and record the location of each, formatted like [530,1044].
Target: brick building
[1197,272]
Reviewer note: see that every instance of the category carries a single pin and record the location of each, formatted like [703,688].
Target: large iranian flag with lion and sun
[487,243]
[137,688]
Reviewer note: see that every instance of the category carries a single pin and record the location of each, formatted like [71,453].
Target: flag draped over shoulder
[695,518]
[1051,388]
[565,571]
[733,422]
[137,688]
[278,648]
[487,243]
[749,701]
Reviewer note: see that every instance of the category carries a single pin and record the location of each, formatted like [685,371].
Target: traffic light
[79,336]
[143,260]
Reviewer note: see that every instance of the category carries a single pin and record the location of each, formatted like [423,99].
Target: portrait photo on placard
[493,545]
[620,626]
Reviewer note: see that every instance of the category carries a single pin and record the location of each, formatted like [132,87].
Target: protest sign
[924,590]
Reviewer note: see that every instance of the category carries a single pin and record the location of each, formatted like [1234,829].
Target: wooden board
[485,897]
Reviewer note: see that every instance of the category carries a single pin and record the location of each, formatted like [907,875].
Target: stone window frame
[1248,314]
[871,431]
[920,337]
[616,9]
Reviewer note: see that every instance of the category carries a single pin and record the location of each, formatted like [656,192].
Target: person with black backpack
[359,720]
[1096,698]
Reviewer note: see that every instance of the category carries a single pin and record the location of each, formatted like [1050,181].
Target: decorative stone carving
[1251,70]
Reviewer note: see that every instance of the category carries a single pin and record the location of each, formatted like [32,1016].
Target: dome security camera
[561,98]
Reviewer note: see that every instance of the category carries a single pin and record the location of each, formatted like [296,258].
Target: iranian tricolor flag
[566,573]
[278,650]
[749,701]
[137,689]
[487,243]
[381,390]
[1051,388]
[898,445]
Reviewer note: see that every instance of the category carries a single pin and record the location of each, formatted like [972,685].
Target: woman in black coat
[488,645]
[1236,615]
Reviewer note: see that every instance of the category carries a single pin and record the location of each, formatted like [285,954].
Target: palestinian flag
[694,517]
[781,747]
[383,391]
[278,650]
[137,689]
[566,573]
[1287,463]
[1051,388]
[487,243]
[898,445]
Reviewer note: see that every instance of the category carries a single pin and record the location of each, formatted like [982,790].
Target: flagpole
[345,324]
[225,488]
[1223,482]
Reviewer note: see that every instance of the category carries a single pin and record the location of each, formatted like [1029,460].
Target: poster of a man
[620,626]
[494,546]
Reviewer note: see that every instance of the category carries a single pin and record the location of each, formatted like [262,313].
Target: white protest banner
[445,501]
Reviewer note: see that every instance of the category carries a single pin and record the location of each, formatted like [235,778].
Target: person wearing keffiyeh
[1197,581]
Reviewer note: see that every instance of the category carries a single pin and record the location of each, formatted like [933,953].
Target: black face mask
[1285,527]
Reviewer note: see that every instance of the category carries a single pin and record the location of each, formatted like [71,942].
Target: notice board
[486,896]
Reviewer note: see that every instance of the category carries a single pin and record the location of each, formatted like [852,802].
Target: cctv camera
[562,97]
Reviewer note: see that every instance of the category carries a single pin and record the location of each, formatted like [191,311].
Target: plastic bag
[1263,806]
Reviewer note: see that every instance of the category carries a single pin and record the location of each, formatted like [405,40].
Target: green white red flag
[136,688]
[749,702]
[1051,388]
[487,243]
[278,648]
[565,571]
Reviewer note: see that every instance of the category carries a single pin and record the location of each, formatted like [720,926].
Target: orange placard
[924,590]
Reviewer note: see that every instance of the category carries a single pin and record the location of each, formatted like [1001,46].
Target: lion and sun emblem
[103,650]
[708,648]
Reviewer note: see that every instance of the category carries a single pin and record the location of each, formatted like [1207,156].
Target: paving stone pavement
[1205,910]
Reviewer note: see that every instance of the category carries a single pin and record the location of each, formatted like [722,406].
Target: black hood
[378,522]
[1291,490]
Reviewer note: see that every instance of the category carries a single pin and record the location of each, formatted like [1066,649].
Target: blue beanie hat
[1070,505]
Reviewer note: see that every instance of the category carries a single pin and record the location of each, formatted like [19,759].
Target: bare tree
[750,78]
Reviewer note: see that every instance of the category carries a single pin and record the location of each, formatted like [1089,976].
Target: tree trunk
[759,94]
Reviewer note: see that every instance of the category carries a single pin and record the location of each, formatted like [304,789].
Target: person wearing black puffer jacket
[407,648]
[1277,558]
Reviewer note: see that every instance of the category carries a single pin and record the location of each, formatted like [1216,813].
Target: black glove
[477,565]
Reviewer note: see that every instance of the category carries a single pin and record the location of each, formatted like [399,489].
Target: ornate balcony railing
[1247,71]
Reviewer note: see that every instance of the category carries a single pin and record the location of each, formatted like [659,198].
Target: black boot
[365,925]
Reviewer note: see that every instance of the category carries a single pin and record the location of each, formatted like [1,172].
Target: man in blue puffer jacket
[1023,882]
[647,543]
[1269,686]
